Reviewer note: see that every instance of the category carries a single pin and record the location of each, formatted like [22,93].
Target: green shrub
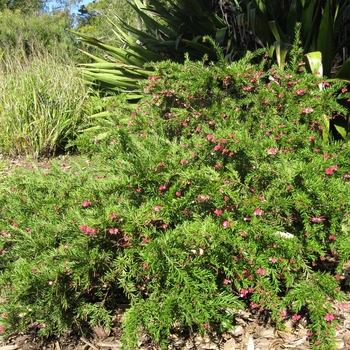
[36,32]
[215,191]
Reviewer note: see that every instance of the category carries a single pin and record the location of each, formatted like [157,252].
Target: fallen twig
[87,342]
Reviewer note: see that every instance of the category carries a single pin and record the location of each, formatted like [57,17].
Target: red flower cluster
[88,230]
[329,171]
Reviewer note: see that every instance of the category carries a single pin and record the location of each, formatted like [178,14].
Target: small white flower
[284,234]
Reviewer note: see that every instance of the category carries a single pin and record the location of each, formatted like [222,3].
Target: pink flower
[317,219]
[258,212]
[206,325]
[226,224]
[243,292]
[183,161]
[177,194]
[203,198]
[2,329]
[162,188]
[226,281]
[273,260]
[296,317]
[329,171]
[307,110]
[218,212]
[332,237]
[145,266]
[91,230]
[112,216]
[157,208]
[283,313]
[312,139]
[113,231]
[261,271]
[272,151]
[3,315]
[329,317]
[210,137]
[217,148]
[300,92]
[85,204]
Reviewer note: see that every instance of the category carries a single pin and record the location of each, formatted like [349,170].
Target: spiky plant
[324,27]
[169,31]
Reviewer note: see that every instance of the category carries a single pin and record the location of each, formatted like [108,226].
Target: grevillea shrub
[215,192]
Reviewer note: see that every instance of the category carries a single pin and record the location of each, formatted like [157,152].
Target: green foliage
[169,31]
[324,25]
[43,98]
[36,32]
[214,191]
[93,19]
[175,28]
[339,122]
[42,104]
[21,5]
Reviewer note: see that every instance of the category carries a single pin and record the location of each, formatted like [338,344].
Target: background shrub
[214,191]
[32,33]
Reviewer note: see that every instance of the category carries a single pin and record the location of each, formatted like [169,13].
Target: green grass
[42,102]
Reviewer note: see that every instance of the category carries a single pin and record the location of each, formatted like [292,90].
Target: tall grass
[42,102]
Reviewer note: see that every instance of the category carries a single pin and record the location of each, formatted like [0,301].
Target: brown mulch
[251,331]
